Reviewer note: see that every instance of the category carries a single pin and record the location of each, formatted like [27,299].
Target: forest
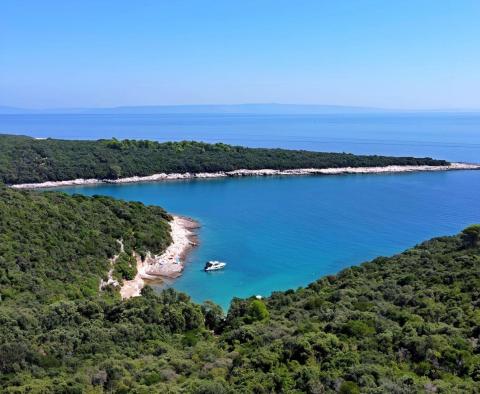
[29,160]
[403,324]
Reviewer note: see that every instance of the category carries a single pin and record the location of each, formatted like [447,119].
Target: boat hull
[214,266]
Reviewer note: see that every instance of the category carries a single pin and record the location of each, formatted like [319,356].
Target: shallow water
[284,232]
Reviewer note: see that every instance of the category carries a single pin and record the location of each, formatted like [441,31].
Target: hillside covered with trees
[29,160]
[405,324]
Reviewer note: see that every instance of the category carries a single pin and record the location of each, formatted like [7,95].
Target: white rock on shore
[262,172]
[72,182]
[169,264]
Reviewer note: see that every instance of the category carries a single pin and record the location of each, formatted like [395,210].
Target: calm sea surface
[280,233]
[284,232]
[442,135]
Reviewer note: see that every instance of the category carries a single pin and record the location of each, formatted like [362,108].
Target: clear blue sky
[399,54]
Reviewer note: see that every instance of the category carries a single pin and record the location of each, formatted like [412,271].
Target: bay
[283,232]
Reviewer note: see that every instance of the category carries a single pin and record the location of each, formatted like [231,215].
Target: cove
[284,232]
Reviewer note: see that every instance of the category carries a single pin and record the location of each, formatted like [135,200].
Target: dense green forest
[405,324]
[54,246]
[28,160]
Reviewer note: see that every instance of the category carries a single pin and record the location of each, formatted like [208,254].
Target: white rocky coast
[167,265]
[262,172]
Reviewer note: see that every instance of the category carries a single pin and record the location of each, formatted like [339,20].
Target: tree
[213,315]
[471,236]
[257,311]
[349,387]
[114,172]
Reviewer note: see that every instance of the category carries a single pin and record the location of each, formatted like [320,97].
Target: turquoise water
[280,233]
[284,232]
[450,136]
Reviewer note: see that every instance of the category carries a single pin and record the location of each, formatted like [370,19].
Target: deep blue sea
[451,136]
[284,232]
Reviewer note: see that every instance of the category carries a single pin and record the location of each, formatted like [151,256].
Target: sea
[278,233]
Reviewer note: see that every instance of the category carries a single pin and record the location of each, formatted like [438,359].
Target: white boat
[214,265]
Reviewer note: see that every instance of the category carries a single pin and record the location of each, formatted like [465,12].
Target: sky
[415,54]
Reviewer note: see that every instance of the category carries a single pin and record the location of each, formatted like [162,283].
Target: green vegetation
[471,235]
[54,246]
[405,324]
[27,160]
[125,267]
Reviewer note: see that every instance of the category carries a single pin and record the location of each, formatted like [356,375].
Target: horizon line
[244,104]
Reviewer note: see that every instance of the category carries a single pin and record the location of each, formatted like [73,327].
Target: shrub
[257,311]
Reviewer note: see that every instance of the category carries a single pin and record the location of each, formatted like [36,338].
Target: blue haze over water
[284,232]
[451,136]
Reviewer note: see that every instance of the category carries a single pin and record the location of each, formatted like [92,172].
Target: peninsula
[49,162]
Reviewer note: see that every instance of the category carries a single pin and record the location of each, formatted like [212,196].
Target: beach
[245,172]
[170,263]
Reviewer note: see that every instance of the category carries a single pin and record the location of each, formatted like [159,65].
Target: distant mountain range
[260,109]
[201,109]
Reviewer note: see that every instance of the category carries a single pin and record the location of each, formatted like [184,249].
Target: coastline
[244,172]
[170,263]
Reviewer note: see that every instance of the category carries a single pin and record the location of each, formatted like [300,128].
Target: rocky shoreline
[244,172]
[169,264]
